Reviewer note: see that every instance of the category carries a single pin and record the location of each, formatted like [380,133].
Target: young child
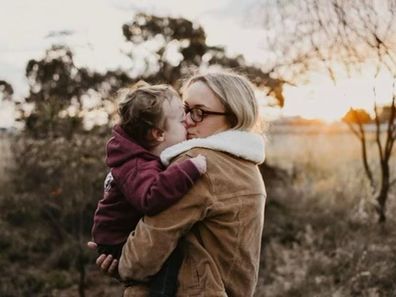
[151,119]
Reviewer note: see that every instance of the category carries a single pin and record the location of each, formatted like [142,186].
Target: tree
[181,49]
[6,90]
[342,39]
[56,84]
[356,119]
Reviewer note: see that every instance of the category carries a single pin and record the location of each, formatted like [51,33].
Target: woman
[219,222]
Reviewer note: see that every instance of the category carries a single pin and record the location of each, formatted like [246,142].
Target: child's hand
[200,162]
[106,263]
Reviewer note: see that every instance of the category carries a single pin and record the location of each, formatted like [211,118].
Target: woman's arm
[155,237]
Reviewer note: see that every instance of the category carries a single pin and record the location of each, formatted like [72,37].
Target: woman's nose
[188,122]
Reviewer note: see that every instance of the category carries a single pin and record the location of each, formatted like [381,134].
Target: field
[321,236]
[327,169]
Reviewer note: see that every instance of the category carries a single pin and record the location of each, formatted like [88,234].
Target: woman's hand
[106,263]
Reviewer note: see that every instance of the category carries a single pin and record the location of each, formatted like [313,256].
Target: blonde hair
[236,93]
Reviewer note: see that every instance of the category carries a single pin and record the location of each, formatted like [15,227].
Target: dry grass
[321,237]
[327,168]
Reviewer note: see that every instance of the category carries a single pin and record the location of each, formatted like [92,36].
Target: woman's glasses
[197,114]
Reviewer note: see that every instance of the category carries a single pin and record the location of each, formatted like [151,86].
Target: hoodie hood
[246,145]
[121,148]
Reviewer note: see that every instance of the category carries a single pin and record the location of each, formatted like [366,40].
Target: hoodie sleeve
[150,189]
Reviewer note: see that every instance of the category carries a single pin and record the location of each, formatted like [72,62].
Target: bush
[47,217]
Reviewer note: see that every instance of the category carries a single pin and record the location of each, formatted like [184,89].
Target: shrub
[56,184]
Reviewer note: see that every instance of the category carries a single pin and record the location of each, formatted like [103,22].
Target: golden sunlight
[329,101]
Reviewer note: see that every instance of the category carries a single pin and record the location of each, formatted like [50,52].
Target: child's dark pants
[164,283]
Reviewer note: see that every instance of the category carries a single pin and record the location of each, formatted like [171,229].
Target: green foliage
[189,38]
[190,41]
[6,90]
[56,84]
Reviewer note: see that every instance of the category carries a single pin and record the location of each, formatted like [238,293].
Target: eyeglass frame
[205,113]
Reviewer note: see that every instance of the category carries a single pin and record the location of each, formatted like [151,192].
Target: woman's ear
[158,135]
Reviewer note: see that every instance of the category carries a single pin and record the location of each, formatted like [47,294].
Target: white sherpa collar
[246,145]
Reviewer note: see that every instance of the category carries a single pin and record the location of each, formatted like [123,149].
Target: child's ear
[158,134]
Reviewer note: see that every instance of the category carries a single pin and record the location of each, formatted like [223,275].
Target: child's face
[175,131]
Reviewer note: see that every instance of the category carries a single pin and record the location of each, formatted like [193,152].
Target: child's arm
[151,189]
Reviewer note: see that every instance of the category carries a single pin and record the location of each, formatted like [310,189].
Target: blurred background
[324,74]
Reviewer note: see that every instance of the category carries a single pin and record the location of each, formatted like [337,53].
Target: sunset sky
[94,34]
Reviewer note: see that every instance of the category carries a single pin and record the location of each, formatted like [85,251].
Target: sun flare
[330,102]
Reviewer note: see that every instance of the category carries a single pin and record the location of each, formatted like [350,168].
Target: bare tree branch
[378,133]
[341,37]
[354,130]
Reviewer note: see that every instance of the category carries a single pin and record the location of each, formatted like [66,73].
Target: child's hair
[141,109]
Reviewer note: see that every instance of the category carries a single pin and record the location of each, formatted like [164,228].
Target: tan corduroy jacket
[219,224]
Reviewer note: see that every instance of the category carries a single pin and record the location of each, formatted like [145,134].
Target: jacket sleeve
[154,238]
[150,189]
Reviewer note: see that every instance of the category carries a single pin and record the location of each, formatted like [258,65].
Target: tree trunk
[81,270]
[365,161]
[383,195]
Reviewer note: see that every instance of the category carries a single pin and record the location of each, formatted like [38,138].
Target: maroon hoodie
[138,184]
